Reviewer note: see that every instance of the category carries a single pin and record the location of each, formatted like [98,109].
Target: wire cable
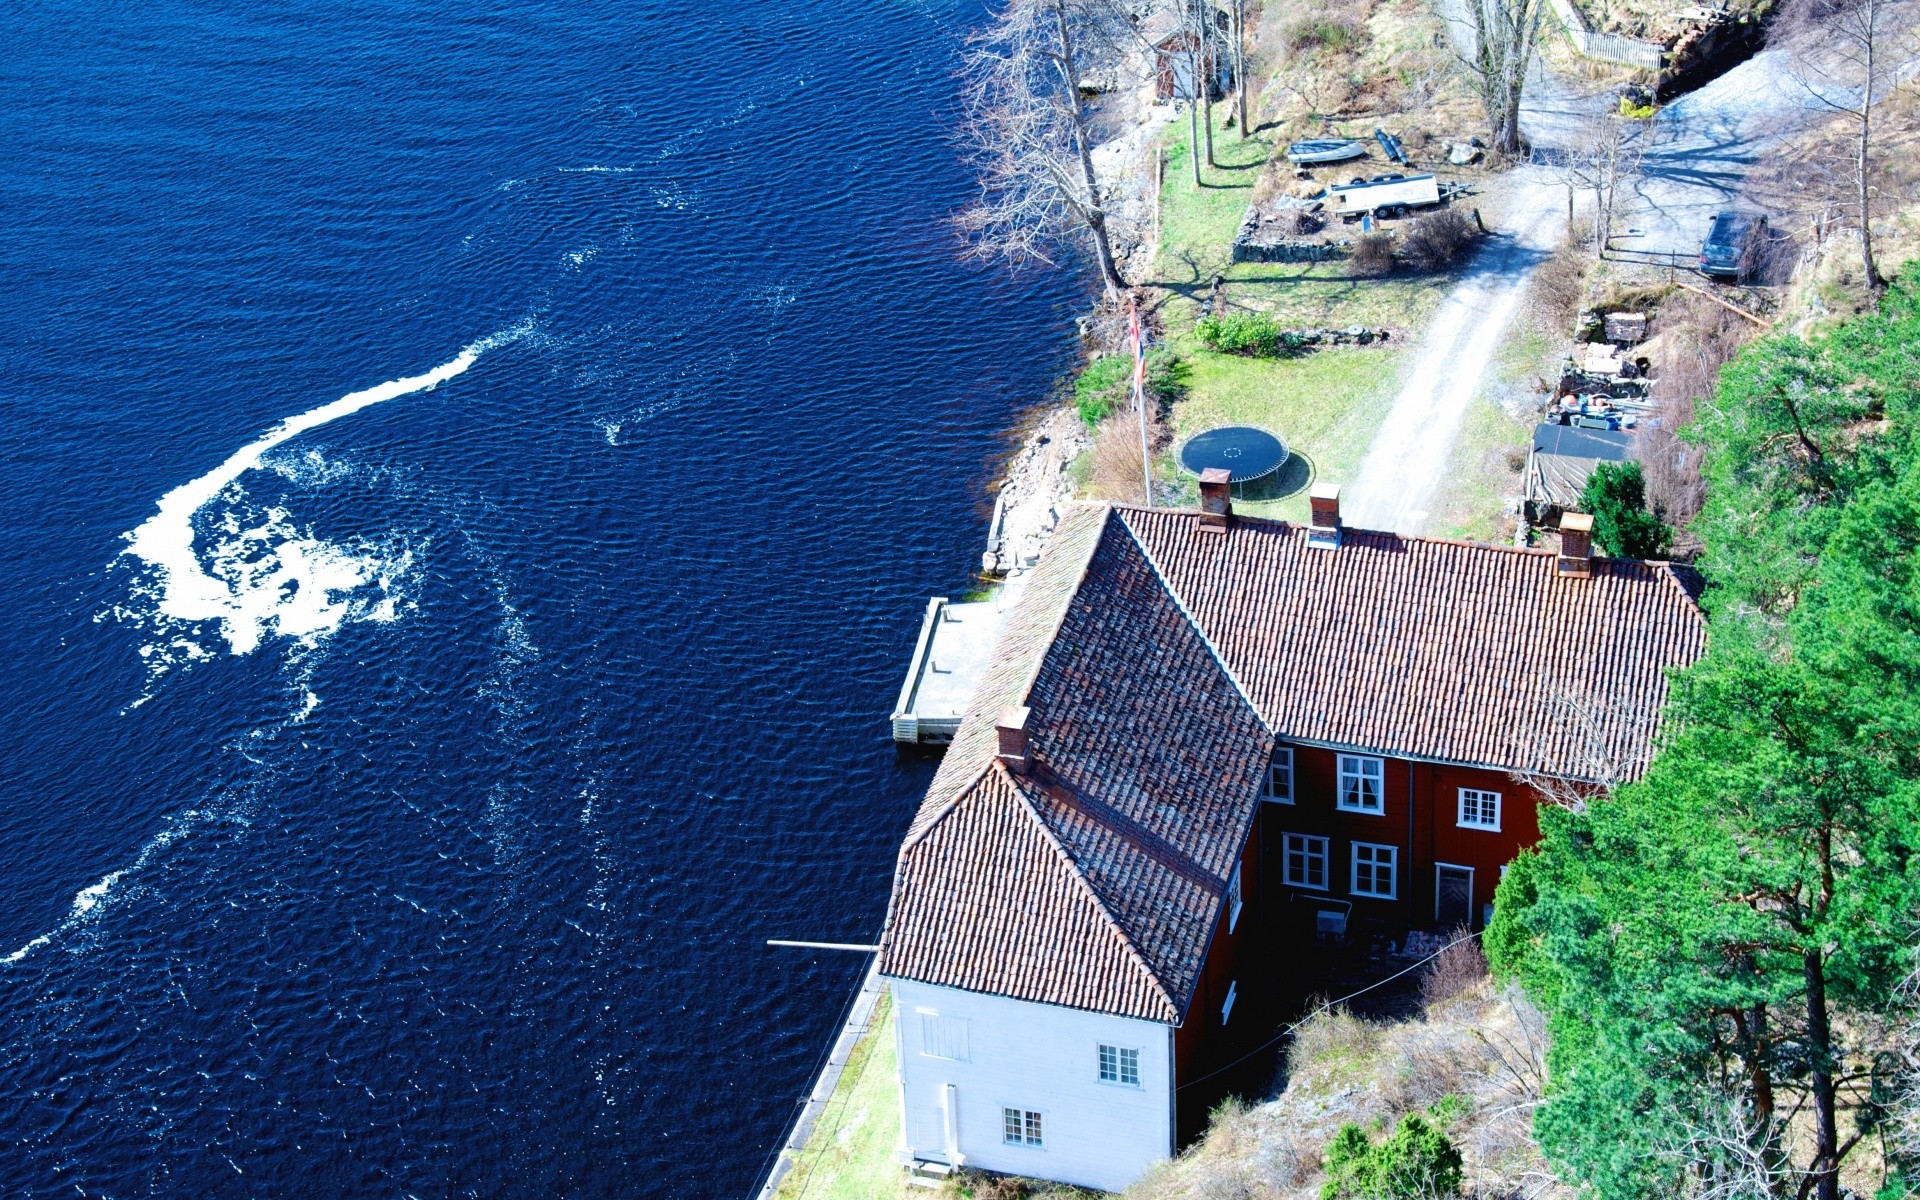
[1287,1030]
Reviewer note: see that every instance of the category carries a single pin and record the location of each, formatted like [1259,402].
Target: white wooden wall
[1033,1057]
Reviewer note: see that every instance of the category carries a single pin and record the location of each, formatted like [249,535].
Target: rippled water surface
[471,476]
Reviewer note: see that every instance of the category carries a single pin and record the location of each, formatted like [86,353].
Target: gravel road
[1396,484]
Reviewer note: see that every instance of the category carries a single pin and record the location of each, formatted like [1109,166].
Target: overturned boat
[1325,150]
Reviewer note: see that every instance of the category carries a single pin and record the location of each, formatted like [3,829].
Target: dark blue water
[401,809]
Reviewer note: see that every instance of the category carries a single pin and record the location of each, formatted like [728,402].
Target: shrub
[1105,387]
[1416,1162]
[1559,284]
[1372,254]
[1435,241]
[1456,969]
[1253,334]
[1338,32]
[1616,495]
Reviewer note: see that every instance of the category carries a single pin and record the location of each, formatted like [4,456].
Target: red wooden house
[1194,725]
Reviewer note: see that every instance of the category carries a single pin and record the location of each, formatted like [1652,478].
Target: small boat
[1326,150]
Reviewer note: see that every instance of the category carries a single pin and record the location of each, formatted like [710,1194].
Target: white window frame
[1438,867]
[1126,1062]
[1311,846]
[1226,1008]
[1355,767]
[1480,797]
[1031,1123]
[1235,901]
[1281,768]
[1393,870]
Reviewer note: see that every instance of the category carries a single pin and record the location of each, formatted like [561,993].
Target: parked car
[1733,245]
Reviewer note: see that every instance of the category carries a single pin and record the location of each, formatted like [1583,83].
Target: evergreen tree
[1616,495]
[1718,944]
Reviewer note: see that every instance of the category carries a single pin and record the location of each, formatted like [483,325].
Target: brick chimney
[1324,533]
[1576,546]
[1216,500]
[1011,727]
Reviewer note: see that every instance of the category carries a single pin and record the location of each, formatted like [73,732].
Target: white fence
[1606,47]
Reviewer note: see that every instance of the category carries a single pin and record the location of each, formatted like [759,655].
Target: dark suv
[1733,245]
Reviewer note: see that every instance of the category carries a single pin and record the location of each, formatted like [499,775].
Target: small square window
[1373,868]
[1120,1064]
[1362,784]
[1304,861]
[1020,1127]
[1280,777]
[1479,810]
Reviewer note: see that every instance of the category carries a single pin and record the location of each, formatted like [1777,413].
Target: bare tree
[1846,62]
[1605,156]
[1505,39]
[1030,133]
[1240,64]
[1576,748]
[1204,23]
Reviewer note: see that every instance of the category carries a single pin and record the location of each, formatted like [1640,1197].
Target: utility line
[1286,1030]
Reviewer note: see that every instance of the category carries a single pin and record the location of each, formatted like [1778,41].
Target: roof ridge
[1199,631]
[1429,539]
[915,837]
[1138,959]
[1044,646]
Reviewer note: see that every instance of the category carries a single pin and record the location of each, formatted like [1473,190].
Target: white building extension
[1031,1089]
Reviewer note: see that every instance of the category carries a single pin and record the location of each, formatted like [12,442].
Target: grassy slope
[851,1153]
[1328,404]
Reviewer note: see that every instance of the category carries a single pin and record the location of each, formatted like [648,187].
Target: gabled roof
[1160,665]
[1144,782]
[1436,649]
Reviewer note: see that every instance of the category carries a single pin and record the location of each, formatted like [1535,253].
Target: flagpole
[1140,398]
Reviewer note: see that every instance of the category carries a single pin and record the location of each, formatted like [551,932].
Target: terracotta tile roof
[1145,779]
[988,900]
[1159,663]
[1434,649]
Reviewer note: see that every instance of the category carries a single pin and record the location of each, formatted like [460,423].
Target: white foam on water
[266,576]
[93,900]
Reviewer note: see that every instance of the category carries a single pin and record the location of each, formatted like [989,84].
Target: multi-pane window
[1306,861]
[1479,810]
[1233,900]
[1362,784]
[1021,1127]
[1373,870]
[1280,776]
[1119,1064]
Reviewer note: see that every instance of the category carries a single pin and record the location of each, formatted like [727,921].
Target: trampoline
[1247,453]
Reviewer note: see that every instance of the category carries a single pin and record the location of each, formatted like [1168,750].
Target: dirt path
[1395,486]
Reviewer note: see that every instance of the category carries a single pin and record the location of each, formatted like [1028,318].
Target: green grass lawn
[1326,405]
[851,1155]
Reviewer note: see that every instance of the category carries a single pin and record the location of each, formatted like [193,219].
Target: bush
[1372,254]
[1339,33]
[1435,241]
[1416,1162]
[1105,387]
[1559,284]
[1616,495]
[1256,335]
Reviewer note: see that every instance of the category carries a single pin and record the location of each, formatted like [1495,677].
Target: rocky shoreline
[1034,484]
